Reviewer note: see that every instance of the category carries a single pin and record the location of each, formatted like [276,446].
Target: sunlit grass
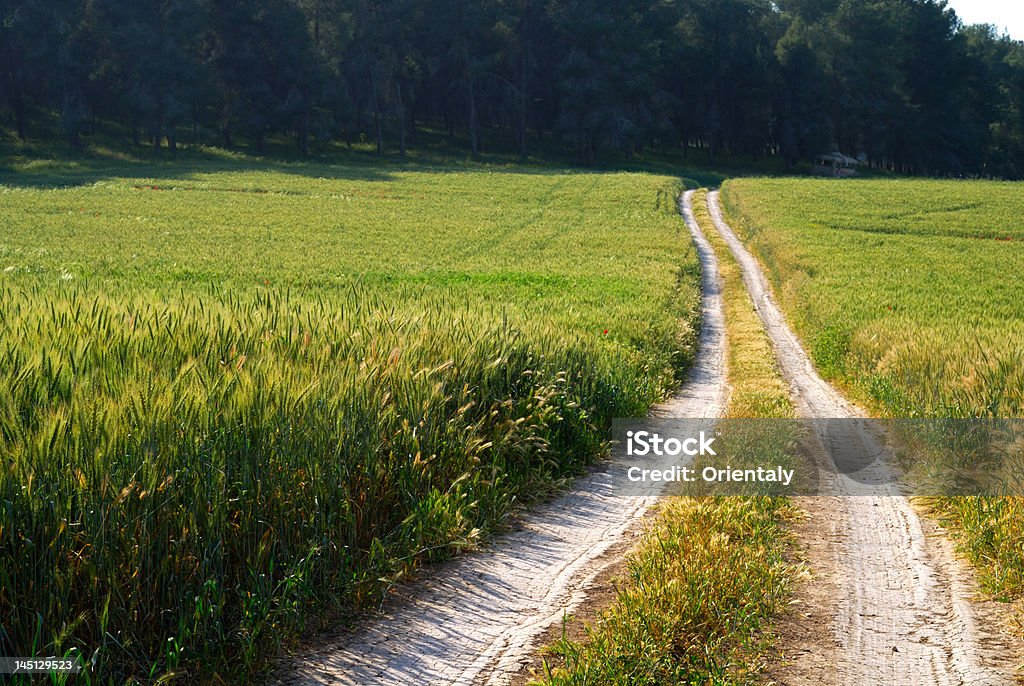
[907,294]
[923,320]
[707,577]
[230,399]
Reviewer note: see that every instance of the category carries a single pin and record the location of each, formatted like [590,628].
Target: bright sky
[1005,14]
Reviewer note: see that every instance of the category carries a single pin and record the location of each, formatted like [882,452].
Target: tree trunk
[713,122]
[70,117]
[524,64]
[19,115]
[303,133]
[13,91]
[524,151]
[159,123]
[400,113]
[474,134]
[377,124]
[380,132]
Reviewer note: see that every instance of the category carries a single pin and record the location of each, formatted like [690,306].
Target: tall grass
[195,468]
[697,594]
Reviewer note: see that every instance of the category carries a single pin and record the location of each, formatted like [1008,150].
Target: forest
[902,84]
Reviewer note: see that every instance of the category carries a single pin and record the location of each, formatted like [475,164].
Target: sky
[1005,14]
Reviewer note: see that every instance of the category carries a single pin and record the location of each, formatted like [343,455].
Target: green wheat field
[232,395]
[241,398]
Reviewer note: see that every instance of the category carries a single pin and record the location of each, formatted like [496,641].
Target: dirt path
[475,619]
[900,607]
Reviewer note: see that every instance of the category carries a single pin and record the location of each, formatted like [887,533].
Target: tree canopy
[900,82]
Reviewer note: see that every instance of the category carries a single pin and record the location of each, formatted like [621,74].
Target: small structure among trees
[835,164]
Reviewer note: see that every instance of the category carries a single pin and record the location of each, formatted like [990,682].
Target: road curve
[475,619]
[903,610]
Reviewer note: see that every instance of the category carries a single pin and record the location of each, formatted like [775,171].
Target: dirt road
[475,619]
[899,604]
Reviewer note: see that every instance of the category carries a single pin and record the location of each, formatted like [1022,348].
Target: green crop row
[234,402]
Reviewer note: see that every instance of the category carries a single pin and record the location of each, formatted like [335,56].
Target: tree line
[901,82]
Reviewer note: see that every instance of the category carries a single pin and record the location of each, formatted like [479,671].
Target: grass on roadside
[708,576]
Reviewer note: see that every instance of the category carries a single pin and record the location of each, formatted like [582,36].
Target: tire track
[475,619]
[903,611]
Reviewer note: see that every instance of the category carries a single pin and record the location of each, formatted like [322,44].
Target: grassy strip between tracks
[904,293]
[702,587]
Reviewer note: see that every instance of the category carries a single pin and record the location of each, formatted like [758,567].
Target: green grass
[904,290]
[702,587]
[235,392]
[907,294]
[698,591]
